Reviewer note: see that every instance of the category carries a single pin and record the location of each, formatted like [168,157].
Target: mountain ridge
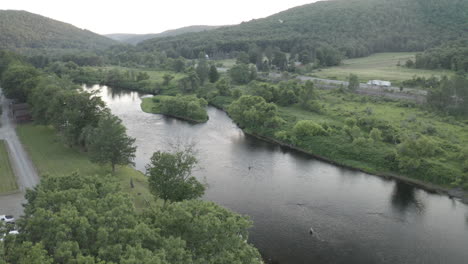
[23,32]
[134,39]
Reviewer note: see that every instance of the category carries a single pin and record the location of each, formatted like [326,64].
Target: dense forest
[29,33]
[452,55]
[329,30]
[137,38]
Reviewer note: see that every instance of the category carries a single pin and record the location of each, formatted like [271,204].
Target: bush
[306,128]
[284,136]
[376,135]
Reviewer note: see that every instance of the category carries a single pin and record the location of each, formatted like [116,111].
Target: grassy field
[227,63]
[7,177]
[380,66]
[53,158]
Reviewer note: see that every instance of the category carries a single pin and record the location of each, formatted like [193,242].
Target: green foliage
[18,80]
[88,219]
[327,31]
[253,112]
[450,96]
[224,87]
[452,55]
[412,152]
[240,73]
[30,33]
[202,69]
[7,176]
[376,135]
[353,82]
[170,176]
[191,82]
[185,107]
[109,143]
[305,129]
[213,74]
[28,253]
[213,235]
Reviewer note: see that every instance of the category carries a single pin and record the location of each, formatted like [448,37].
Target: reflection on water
[404,196]
[360,218]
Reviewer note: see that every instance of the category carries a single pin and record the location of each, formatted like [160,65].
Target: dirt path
[23,167]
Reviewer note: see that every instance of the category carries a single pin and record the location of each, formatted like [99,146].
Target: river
[357,217]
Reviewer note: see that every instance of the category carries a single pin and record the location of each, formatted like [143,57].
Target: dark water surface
[358,218]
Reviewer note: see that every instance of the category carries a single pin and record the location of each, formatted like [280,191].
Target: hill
[354,28]
[25,32]
[137,38]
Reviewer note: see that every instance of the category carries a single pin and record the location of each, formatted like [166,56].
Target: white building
[379,83]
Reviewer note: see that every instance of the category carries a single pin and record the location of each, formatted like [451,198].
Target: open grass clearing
[379,66]
[53,158]
[7,176]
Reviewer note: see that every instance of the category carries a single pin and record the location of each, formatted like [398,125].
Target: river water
[356,217]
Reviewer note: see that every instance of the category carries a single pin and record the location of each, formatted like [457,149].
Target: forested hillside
[137,38]
[26,32]
[330,29]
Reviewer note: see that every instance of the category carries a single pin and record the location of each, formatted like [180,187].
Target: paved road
[24,169]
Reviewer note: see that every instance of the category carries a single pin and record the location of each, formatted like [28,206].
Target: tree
[109,143]
[141,76]
[213,234]
[307,93]
[202,69]
[240,73]
[243,58]
[280,60]
[353,82]
[224,87]
[191,82]
[170,176]
[18,81]
[167,78]
[178,65]
[253,112]
[213,74]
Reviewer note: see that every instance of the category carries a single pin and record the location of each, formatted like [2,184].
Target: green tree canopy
[109,143]
[170,176]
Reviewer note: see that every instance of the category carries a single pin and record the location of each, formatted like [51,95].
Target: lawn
[7,177]
[379,66]
[53,158]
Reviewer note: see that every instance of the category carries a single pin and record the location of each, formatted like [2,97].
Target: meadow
[53,158]
[7,176]
[379,66]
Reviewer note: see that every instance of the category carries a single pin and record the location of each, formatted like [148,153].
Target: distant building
[21,112]
[379,83]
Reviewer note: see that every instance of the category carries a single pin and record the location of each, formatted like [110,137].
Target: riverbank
[458,193]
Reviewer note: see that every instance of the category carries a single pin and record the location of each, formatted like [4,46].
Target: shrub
[376,135]
[306,128]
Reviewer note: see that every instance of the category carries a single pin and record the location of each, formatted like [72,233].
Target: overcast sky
[150,16]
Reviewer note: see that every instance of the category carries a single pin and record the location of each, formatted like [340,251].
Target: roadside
[26,175]
[7,177]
